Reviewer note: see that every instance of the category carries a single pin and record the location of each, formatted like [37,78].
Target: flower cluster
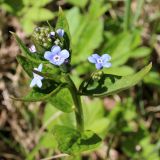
[58,56]
[46,37]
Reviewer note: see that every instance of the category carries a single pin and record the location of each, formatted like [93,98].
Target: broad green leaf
[29,65]
[72,141]
[87,38]
[98,8]
[55,117]
[94,117]
[115,46]
[111,84]
[73,17]
[48,141]
[39,14]
[34,57]
[87,141]
[48,89]
[120,71]
[87,32]
[27,25]
[63,101]
[140,52]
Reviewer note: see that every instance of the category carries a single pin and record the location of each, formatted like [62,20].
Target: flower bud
[96,76]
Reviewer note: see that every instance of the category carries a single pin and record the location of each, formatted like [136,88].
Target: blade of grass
[127,15]
[139,6]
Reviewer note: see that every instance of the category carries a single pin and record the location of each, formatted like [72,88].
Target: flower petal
[107,65]
[39,83]
[40,67]
[32,49]
[64,54]
[93,58]
[55,49]
[60,32]
[96,56]
[52,34]
[57,63]
[106,57]
[33,82]
[48,55]
[99,66]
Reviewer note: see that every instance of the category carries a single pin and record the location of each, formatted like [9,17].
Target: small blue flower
[100,61]
[37,79]
[32,49]
[60,32]
[52,34]
[56,56]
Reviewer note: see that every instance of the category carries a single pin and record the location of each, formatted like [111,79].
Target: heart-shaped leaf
[108,84]
[72,141]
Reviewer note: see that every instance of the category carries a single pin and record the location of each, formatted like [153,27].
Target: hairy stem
[77,103]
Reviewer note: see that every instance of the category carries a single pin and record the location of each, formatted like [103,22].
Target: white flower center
[100,60]
[56,58]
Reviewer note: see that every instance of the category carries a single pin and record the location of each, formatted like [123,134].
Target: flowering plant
[48,63]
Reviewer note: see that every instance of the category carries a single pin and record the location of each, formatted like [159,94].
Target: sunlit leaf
[111,84]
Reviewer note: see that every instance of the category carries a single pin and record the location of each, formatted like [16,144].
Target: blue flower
[32,49]
[56,56]
[100,61]
[37,80]
[60,32]
[52,34]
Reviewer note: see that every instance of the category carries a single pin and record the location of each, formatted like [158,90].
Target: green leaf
[73,17]
[29,65]
[87,38]
[55,77]
[72,141]
[141,52]
[40,3]
[26,51]
[48,141]
[27,25]
[40,94]
[63,101]
[120,71]
[98,8]
[38,14]
[115,46]
[111,84]
[63,24]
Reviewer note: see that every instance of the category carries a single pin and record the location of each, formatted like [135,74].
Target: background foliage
[128,122]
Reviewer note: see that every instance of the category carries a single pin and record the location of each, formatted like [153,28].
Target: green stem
[77,103]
